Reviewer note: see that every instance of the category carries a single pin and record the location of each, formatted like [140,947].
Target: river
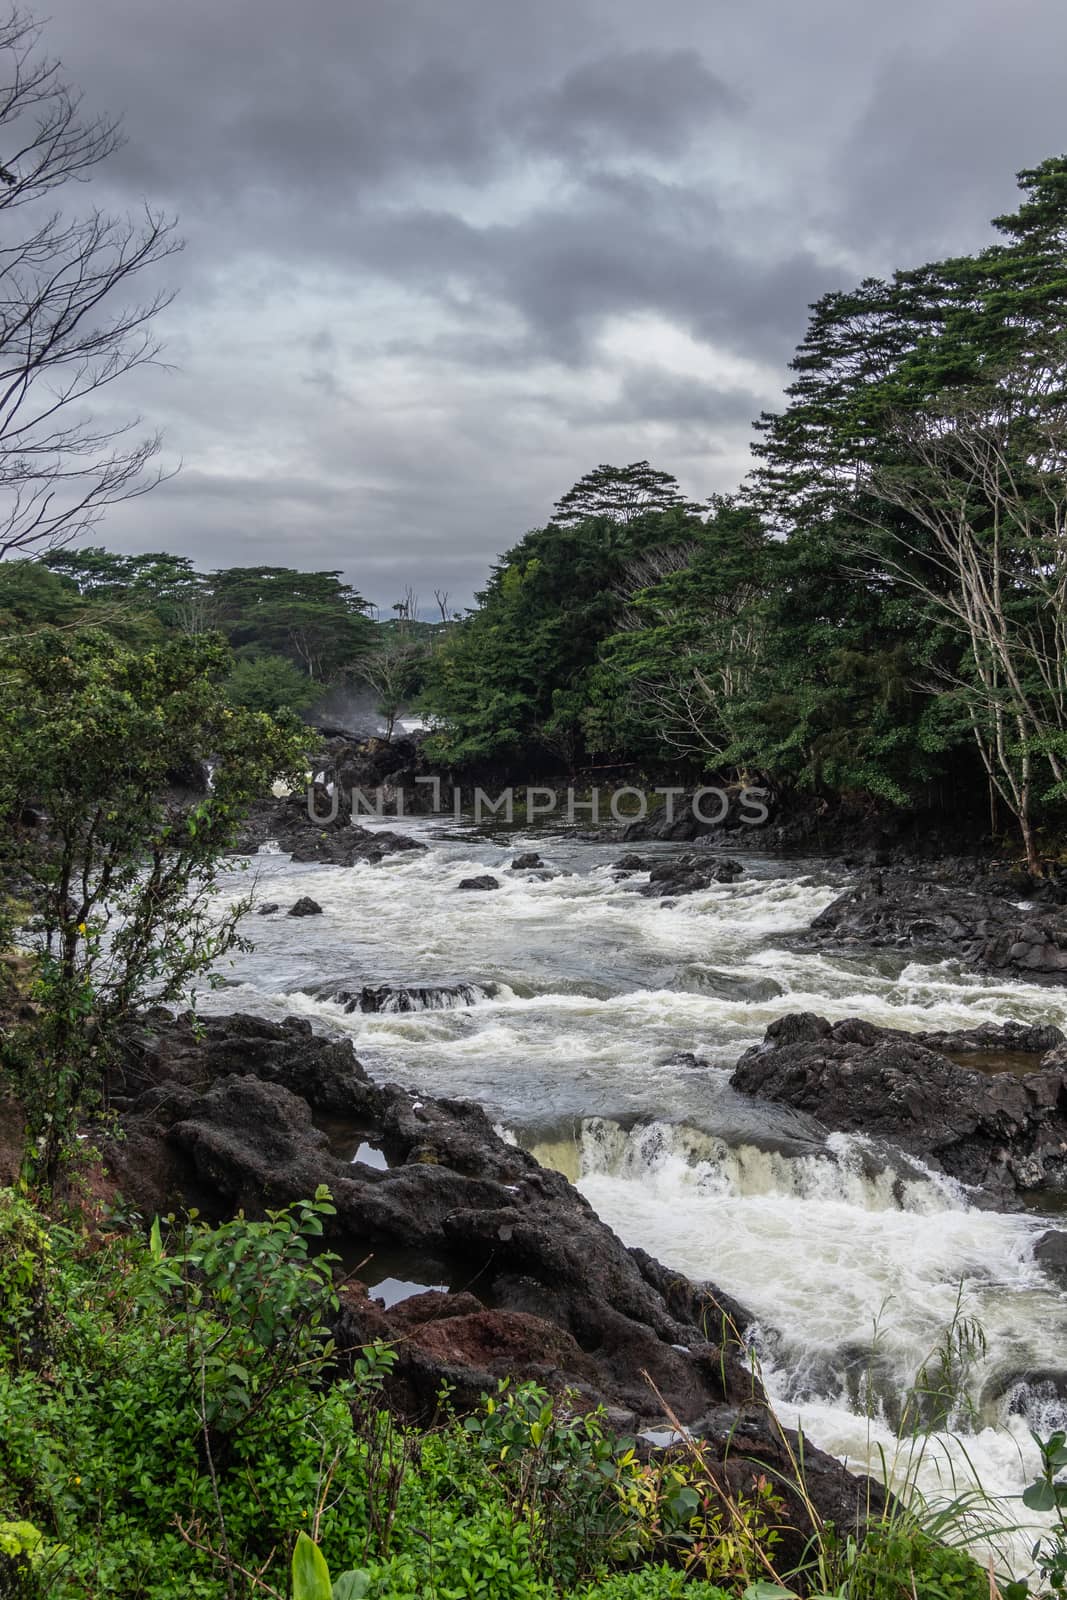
[590,1003]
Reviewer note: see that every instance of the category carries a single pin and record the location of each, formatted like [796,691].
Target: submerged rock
[1003,1133]
[527,862]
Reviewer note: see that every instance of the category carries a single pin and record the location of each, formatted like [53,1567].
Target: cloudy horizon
[442,261]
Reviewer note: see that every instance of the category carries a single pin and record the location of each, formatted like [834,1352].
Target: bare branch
[67,330]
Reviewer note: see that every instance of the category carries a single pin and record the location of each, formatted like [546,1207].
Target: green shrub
[897,1561]
[651,1583]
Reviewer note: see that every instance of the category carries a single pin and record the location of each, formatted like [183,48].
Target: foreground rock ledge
[1004,1133]
[254,1114]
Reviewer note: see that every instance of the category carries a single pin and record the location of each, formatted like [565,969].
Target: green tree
[269,683]
[982,485]
[121,875]
[315,620]
[871,662]
[618,493]
[159,584]
[690,659]
[514,679]
[396,668]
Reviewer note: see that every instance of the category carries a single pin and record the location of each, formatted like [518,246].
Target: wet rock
[1050,1252]
[268,908]
[485,881]
[688,873]
[339,842]
[632,862]
[1005,1134]
[915,910]
[226,1117]
[527,862]
[305,907]
[687,1059]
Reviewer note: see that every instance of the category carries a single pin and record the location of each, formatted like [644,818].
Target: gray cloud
[442,259]
[638,101]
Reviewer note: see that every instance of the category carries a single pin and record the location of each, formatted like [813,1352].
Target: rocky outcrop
[984,927]
[678,875]
[686,874]
[339,843]
[1004,1133]
[251,1114]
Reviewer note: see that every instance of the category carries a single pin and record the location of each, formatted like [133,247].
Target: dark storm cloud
[976,113]
[653,396]
[443,258]
[650,101]
[615,245]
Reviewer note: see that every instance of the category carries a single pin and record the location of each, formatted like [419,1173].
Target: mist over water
[572,1008]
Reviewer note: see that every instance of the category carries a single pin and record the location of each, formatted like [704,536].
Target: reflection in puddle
[370,1156]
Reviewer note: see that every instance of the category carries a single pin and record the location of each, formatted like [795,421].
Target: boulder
[485,881]
[1050,1252]
[1004,1133]
[527,862]
[305,907]
[912,910]
[687,873]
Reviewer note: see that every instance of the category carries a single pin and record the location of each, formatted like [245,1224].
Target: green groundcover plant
[176,1423]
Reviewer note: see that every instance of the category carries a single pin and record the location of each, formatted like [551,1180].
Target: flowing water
[599,1027]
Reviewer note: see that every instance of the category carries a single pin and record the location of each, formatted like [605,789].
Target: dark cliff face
[253,1114]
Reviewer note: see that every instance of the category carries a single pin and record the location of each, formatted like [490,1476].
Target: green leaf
[352,1586]
[1040,1496]
[768,1591]
[311,1575]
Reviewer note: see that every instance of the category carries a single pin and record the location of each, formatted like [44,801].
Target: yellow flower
[81,928]
[77,1480]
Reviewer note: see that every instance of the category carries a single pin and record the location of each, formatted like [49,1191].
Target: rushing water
[584,1006]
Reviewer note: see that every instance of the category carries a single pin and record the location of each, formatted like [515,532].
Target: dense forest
[880,609]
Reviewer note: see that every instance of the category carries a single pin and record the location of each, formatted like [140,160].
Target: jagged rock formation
[236,1115]
[1004,1132]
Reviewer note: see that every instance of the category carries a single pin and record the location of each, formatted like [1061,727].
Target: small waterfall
[396,998]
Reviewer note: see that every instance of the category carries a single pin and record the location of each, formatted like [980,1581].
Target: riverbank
[604,1028]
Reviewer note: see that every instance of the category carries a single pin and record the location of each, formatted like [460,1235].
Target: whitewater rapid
[600,1027]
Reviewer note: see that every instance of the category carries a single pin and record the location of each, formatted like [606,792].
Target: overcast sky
[444,256]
